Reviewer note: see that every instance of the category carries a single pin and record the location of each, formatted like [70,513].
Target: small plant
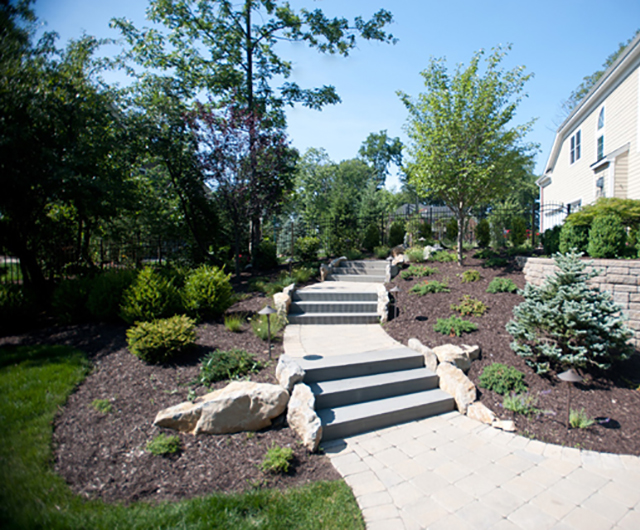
[483,233]
[381,252]
[502,285]
[470,306]
[103,406]
[220,365]
[353,254]
[162,340]
[303,274]
[470,276]
[485,253]
[163,445]
[234,322]
[495,262]
[191,395]
[443,256]
[578,419]
[419,271]
[260,326]
[502,379]
[523,403]
[433,286]
[151,295]
[415,254]
[277,459]
[207,291]
[454,326]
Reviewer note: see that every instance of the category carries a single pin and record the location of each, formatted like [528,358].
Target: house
[596,152]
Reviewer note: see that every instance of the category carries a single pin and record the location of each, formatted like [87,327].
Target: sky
[559,41]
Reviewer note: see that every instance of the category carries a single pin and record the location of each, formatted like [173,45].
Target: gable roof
[612,77]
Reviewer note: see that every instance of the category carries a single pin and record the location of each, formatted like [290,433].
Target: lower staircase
[366,391]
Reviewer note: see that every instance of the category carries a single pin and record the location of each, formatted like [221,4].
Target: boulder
[397,251]
[302,417]
[399,260]
[336,262]
[472,351]
[282,303]
[324,272]
[450,353]
[430,249]
[454,382]
[505,425]
[288,372]
[383,304]
[430,359]
[479,412]
[240,406]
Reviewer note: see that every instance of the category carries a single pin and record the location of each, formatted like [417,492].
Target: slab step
[364,278]
[339,422]
[333,307]
[342,392]
[317,295]
[333,318]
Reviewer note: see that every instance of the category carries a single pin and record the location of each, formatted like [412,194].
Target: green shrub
[396,233]
[426,232]
[628,210]
[105,293]
[607,237]
[381,252]
[162,340]
[567,323]
[502,379]
[273,287]
[483,233]
[502,285]
[152,295]
[103,406]
[415,254]
[524,404]
[353,254]
[454,326]
[573,237]
[163,445]
[207,292]
[17,304]
[419,271]
[266,256]
[495,262]
[433,286]
[371,237]
[304,274]
[69,300]
[451,229]
[221,365]
[277,459]
[551,240]
[485,253]
[234,322]
[260,327]
[518,232]
[578,419]
[306,248]
[470,276]
[443,256]
[470,306]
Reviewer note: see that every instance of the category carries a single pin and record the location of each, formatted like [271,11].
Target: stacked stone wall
[620,278]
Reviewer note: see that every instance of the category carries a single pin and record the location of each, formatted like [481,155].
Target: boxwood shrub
[162,340]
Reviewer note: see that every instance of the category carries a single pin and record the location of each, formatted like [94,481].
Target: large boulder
[240,406]
[430,359]
[282,300]
[302,417]
[324,272]
[383,304]
[450,353]
[288,372]
[454,382]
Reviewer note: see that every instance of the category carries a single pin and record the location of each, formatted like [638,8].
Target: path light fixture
[569,377]
[268,310]
[396,310]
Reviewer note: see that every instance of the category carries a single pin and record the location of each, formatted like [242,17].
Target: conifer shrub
[381,252]
[277,459]
[419,271]
[470,276]
[221,365]
[371,237]
[551,240]
[266,256]
[152,295]
[306,248]
[518,232]
[163,445]
[426,232]
[443,256]
[573,237]
[470,306]
[162,340]
[207,292]
[502,285]
[415,254]
[105,293]
[454,326]
[607,237]
[70,299]
[483,233]
[502,379]
[433,286]
[396,233]
[565,323]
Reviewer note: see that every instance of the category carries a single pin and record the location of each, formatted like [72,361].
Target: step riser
[360,395]
[321,320]
[319,296]
[348,307]
[370,423]
[360,270]
[330,373]
[355,278]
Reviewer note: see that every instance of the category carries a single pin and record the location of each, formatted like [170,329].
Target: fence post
[292,243]
[533,225]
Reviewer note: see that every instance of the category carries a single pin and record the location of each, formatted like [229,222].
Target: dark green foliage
[470,306]
[419,271]
[415,254]
[353,254]
[502,379]
[470,276]
[443,256]
[454,326]
[573,237]
[105,294]
[70,299]
[163,445]
[207,292]
[371,238]
[551,240]
[495,262]
[221,365]
[426,232]
[267,256]
[152,295]
[430,287]
[518,232]
[303,274]
[485,254]
[260,326]
[381,252]
[607,237]
[451,230]
[502,285]
[566,323]
[17,304]
[628,210]
[277,459]
[483,233]
[396,233]
[306,248]
[162,340]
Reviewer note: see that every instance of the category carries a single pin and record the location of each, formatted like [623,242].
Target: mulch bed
[103,455]
[612,397]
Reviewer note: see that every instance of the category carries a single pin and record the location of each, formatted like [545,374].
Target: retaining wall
[620,277]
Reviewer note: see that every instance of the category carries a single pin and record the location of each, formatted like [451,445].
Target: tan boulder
[430,359]
[450,353]
[281,301]
[454,382]
[397,251]
[399,260]
[324,272]
[288,372]
[472,351]
[505,425]
[479,412]
[383,304]
[302,417]
[183,417]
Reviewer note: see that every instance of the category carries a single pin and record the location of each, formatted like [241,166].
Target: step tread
[336,361]
[364,381]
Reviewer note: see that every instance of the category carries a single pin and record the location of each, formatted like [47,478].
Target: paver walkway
[450,472]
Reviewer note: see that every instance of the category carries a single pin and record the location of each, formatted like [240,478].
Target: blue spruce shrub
[607,237]
[565,323]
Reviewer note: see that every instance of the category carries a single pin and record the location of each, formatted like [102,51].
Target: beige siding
[621,189]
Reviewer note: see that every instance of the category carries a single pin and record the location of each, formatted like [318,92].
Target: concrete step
[333,318]
[339,422]
[352,390]
[333,307]
[380,265]
[360,364]
[316,295]
[368,278]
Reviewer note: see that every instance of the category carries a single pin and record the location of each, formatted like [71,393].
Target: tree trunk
[461,223]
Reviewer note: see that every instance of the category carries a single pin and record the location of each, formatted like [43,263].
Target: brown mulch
[103,455]
[612,398]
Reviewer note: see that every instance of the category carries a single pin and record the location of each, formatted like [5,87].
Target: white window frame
[575,147]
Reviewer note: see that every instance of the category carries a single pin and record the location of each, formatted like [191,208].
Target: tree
[464,152]
[378,150]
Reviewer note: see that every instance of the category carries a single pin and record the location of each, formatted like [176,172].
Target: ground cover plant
[277,460]
[470,306]
[164,444]
[417,271]
[434,286]
[502,379]
[223,365]
[454,326]
[502,285]
[471,275]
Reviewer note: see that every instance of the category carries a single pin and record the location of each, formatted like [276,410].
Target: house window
[601,119]
[575,147]
[600,147]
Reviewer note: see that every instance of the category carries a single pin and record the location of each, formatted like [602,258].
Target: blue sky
[559,41]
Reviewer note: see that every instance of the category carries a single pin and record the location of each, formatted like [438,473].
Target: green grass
[35,381]
[235,321]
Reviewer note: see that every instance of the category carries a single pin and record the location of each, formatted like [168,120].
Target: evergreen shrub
[152,295]
[396,233]
[105,293]
[426,232]
[502,285]
[566,323]
[433,286]
[207,292]
[381,252]
[70,299]
[518,232]
[266,256]
[415,254]
[470,306]
[306,248]
[551,240]
[502,379]
[573,237]
[454,326]
[162,340]
[163,445]
[221,365]
[17,303]
[607,237]
[371,238]
[483,233]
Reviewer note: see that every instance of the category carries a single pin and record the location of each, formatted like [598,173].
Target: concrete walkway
[450,472]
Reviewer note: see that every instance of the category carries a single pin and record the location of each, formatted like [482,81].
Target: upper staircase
[370,271]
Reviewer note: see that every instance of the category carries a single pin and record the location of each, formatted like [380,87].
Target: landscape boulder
[429,250]
[430,359]
[288,372]
[450,353]
[282,300]
[479,412]
[505,425]
[324,272]
[302,417]
[454,382]
[383,304]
